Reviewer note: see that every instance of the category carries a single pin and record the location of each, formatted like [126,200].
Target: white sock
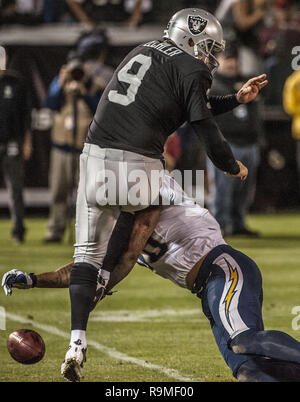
[78,334]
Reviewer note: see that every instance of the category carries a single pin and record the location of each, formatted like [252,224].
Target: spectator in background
[276,44]
[279,22]
[209,5]
[27,12]
[91,12]
[15,143]
[242,21]
[92,49]
[291,103]
[73,96]
[85,76]
[242,127]
[55,11]
[33,7]
[138,12]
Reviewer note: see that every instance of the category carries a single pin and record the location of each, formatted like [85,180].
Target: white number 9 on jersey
[134,80]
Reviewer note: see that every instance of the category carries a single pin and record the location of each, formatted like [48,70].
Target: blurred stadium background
[38,36]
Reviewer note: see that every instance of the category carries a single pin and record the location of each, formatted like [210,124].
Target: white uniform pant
[107,176]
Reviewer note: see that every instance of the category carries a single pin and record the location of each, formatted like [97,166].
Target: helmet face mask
[198,33]
[208,50]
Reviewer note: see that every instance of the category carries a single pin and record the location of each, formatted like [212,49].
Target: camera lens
[76,70]
[77,74]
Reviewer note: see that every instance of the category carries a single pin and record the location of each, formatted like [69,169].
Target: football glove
[101,291]
[17,279]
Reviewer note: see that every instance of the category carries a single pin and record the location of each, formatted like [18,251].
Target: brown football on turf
[26,346]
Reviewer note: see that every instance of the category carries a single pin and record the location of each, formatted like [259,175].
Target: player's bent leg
[233,290]
[269,343]
[244,368]
[232,360]
[231,299]
[236,308]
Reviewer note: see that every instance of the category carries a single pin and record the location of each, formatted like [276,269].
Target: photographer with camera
[73,97]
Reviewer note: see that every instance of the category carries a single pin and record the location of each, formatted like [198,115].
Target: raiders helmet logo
[196,24]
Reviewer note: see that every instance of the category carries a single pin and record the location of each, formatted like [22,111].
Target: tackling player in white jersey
[187,247]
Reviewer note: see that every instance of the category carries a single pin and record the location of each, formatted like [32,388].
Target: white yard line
[104,349]
[154,315]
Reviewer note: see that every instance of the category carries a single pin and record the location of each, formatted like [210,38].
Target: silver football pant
[105,180]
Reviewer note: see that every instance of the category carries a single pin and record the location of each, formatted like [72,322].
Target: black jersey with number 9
[155,89]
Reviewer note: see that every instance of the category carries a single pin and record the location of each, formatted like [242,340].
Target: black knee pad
[83,274]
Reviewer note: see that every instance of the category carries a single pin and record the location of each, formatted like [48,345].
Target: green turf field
[150,330]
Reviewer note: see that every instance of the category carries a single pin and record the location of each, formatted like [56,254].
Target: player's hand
[100,292]
[243,173]
[250,90]
[16,279]
[74,87]
[63,75]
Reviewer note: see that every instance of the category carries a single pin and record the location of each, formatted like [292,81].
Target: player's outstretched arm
[59,278]
[21,280]
[144,225]
[247,93]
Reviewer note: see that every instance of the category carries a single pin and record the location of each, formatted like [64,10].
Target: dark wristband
[235,169]
[232,101]
[223,104]
[34,279]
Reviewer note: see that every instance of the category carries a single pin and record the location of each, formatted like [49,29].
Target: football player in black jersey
[155,89]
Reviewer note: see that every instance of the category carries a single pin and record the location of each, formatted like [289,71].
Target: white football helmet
[198,33]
